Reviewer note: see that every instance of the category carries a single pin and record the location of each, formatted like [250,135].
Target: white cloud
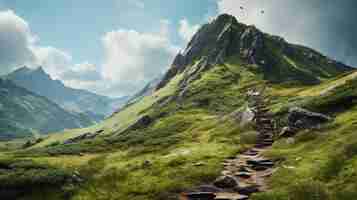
[54,61]
[15,42]
[186,30]
[18,47]
[133,58]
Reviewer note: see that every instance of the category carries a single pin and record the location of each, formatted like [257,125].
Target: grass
[321,164]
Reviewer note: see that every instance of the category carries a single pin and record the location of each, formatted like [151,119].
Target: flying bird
[241,7]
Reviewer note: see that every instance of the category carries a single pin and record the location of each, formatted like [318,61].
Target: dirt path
[246,173]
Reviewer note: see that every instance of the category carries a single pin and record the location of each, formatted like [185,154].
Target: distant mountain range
[24,113]
[95,106]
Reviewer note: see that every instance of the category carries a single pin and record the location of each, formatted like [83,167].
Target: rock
[290,141]
[230,196]
[251,41]
[248,190]
[147,163]
[243,174]
[142,122]
[225,182]
[260,165]
[244,117]
[199,164]
[208,188]
[286,132]
[198,196]
[302,119]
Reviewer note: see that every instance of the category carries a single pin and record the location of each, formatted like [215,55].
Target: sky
[115,47]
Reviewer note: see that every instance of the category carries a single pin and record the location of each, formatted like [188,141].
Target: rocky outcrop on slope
[299,119]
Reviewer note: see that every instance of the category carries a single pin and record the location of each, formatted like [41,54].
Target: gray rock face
[82,137]
[250,43]
[300,118]
[142,122]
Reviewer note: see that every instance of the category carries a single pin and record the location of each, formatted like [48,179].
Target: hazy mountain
[76,100]
[23,113]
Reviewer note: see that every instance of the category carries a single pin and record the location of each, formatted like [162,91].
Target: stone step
[248,190]
[244,168]
[230,196]
[264,120]
[264,139]
[263,162]
[198,196]
[268,143]
[262,146]
[208,188]
[244,175]
[250,153]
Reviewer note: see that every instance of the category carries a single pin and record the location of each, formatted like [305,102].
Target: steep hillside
[23,113]
[38,81]
[178,137]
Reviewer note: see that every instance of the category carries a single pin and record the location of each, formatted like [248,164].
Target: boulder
[225,182]
[142,122]
[286,132]
[300,118]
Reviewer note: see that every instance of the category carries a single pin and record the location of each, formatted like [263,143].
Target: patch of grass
[319,165]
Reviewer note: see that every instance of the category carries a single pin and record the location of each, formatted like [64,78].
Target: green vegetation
[321,164]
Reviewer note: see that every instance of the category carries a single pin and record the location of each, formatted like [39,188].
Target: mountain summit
[273,57]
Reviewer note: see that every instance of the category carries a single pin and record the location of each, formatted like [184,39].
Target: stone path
[246,173]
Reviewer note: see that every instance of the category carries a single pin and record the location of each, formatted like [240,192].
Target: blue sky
[114,47]
[77,26]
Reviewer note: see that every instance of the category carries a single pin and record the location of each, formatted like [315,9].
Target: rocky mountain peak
[214,42]
[276,59]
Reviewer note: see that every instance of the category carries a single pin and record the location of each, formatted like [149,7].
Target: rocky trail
[247,172]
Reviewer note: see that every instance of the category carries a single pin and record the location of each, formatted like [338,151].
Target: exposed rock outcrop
[82,137]
[302,118]
[299,119]
[251,41]
[142,122]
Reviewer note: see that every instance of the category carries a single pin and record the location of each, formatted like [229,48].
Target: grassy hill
[177,137]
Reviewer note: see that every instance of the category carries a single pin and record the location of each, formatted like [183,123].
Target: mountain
[275,59]
[189,133]
[81,101]
[23,113]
